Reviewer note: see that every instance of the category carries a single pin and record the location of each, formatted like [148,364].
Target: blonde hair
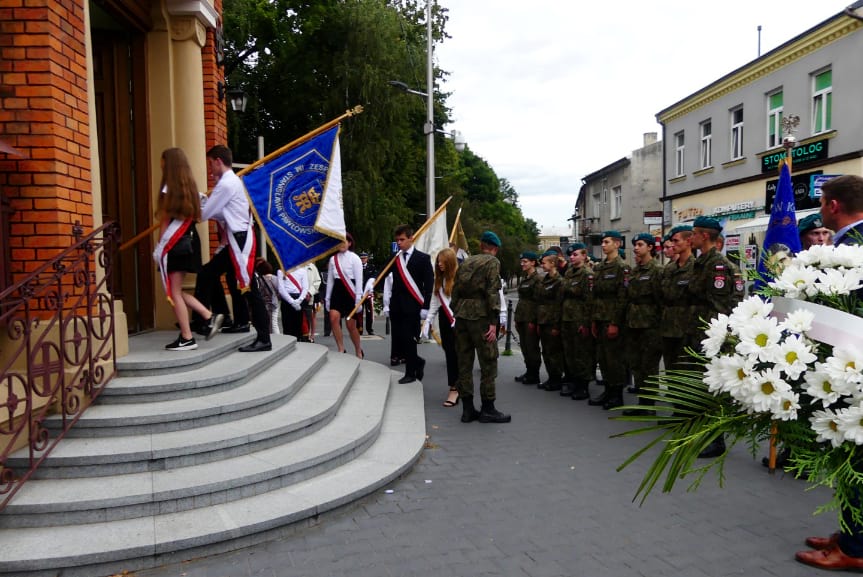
[446,277]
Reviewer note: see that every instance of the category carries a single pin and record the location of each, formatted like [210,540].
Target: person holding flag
[229,206]
[344,291]
[409,303]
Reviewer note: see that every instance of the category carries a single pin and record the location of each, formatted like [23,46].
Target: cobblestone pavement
[538,497]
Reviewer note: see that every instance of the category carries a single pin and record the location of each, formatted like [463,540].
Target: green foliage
[305,63]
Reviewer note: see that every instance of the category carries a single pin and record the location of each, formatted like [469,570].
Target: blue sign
[817,182]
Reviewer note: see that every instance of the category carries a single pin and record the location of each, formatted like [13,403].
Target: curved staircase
[196,452]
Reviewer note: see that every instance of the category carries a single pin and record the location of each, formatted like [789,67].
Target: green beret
[488,237]
[575,246]
[529,255]
[550,252]
[612,234]
[811,222]
[667,237]
[707,222]
[646,237]
[680,228]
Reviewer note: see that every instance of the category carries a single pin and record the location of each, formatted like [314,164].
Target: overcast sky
[548,91]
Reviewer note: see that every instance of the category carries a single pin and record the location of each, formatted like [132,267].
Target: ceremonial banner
[435,238]
[781,237]
[297,199]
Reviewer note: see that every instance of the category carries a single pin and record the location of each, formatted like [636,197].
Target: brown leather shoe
[832,558]
[823,542]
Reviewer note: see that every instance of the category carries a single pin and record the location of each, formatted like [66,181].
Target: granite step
[147,354]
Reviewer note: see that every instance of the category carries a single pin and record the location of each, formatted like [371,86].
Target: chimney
[649,138]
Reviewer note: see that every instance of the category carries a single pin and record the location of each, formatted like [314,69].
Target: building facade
[624,195]
[725,140]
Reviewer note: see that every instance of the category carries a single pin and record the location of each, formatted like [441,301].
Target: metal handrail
[59,351]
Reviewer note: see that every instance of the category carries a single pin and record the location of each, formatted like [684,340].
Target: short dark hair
[223,153]
[847,190]
[404,229]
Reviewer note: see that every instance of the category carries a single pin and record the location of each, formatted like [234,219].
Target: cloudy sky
[548,91]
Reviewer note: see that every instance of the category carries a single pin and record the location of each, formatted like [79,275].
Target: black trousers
[447,343]
[405,330]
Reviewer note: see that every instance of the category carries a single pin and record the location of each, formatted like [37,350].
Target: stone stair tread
[396,448]
[222,370]
[147,351]
[357,419]
[319,396]
[269,385]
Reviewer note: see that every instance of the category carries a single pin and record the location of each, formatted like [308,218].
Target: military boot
[714,449]
[489,414]
[531,377]
[520,378]
[566,386]
[552,384]
[469,413]
[579,391]
[614,400]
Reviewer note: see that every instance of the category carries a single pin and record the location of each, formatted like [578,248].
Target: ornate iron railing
[57,353]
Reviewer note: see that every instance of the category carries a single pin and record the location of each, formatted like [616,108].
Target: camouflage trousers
[645,351]
[552,351]
[469,343]
[529,341]
[611,357]
[579,352]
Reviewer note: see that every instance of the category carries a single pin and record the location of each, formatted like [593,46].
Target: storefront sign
[817,181]
[800,183]
[744,206]
[653,217]
[800,154]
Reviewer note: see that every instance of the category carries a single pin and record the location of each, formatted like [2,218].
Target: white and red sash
[295,282]
[172,233]
[243,258]
[343,278]
[409,281]
[445,306]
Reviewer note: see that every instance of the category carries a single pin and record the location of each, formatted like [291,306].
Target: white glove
[424,314]
[387,312]
[424,333]
[297,306]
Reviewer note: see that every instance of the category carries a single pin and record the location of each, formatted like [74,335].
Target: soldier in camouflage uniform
[676,277]
[716,288]
[643,310]
[578,347]
[525,320]
[548,294]
[476,305]
[609,308]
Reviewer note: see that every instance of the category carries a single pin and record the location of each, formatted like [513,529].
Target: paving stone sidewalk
[538,497]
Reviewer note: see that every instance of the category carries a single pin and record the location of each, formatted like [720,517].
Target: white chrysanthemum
[768,389]
[797,281]
[748,309]
[798,321]
[716,333]
[851,424]
[734,372]
[845,365]
[787,406]
[713,376]
[846,255]
[818,256]
[759,337]
[826,425]
[834,281]
[793,356]
[820,387]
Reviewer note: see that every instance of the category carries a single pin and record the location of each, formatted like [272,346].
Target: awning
[760,224]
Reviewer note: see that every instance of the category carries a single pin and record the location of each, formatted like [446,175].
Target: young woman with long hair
[445,268]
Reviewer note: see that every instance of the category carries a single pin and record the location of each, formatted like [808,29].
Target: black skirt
[340,299]
[185,255]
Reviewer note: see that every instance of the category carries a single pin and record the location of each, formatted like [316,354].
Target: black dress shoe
[612,403]
[420,372]
[256,346]
[235,329]
[551,385]
[407,379]
[530,380]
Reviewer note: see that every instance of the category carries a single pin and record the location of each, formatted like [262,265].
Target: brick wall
[44,114]
[214,111]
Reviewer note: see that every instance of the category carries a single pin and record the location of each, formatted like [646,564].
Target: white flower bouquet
[789,363]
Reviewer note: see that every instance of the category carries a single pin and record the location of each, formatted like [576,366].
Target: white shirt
[287,287]
[352,266]
[314,278]
[228,203]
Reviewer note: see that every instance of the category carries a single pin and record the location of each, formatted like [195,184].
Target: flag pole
[323,128]
[135,239]
[386,269]
[455,226]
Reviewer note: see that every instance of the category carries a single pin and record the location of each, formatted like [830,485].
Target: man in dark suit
[842,211]
[413,279]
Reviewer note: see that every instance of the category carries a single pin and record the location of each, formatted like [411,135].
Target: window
[617,202]
[822,101]
[706,144]
[596,204]
[678,154]
[774,119]
[737,133]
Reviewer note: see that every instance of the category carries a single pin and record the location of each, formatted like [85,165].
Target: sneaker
[182,344]
[214,325]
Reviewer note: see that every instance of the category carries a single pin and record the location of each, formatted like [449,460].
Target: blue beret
[646,237]
[680,228]
[612,234]
[707,222]
[811,222]
[575,246]
[488,237]
[529,255]
[550,252]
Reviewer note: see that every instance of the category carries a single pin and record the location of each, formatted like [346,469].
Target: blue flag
[297,199]
[781,235]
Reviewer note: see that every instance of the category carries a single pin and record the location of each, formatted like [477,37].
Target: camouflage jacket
[714,288]
[675,298]
[548,295]
[525,311]
[609,291]
[475,294]
[577,285]
[644,296]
